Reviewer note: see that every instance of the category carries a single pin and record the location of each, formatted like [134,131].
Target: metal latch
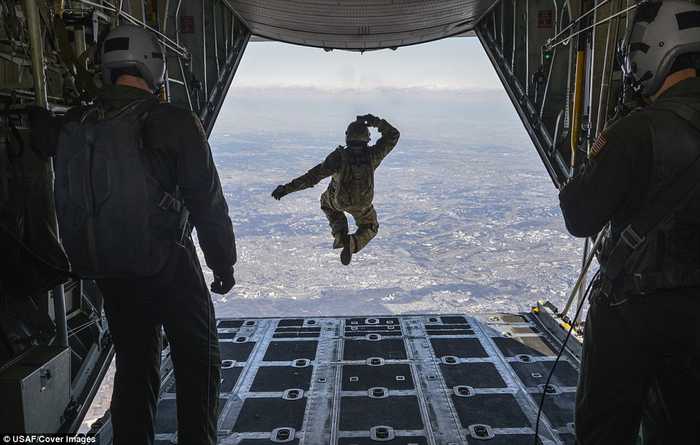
[282,435]
[44,377]
[375,361]
[301,363]
[450,360]
[378,392]
[550,389]
[481,431]
[382,433]
[463,391]
[293,394]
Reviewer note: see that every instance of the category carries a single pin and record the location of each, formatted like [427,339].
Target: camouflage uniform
[351,188]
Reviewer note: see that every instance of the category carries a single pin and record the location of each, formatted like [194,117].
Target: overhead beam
[346,24]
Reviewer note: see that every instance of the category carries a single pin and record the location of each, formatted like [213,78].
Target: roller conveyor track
[418,379]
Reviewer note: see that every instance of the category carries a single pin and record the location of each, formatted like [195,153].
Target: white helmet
[660,33]
[130,47]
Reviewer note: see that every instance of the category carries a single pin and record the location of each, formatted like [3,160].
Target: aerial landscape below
[469,220]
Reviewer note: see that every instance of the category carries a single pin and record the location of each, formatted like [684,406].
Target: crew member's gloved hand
[223,281]
[279,192]
[370,120]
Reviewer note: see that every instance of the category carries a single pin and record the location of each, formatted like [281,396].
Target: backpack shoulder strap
[93,112]
[682,110]
[140,108]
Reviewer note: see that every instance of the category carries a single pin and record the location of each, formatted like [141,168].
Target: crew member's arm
[386,143]
[615,176]
[309,179]
[201,190]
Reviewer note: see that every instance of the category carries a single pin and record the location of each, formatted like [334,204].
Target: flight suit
[651,315]
[177,298]
[351,189]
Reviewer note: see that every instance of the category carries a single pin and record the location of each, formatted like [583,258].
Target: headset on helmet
[660,33]
[130,48]
[357,132]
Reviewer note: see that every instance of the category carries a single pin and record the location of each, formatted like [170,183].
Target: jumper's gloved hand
[223,281]
[370,120]
[279,192]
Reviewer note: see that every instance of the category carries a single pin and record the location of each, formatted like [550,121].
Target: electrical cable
[165,40]
[578,19]
[561,352]
[565,40]
[579,282]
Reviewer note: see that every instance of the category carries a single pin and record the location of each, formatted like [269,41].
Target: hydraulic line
[536,440]
[584,271]
[588,260]
[604,81]
[37,52]
[606,76]
[586,246]
[575,22]
[38,70]
[165,40]
[557,129]
[565,40]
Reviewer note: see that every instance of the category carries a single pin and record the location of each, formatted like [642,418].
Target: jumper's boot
[339,240]
[348,250]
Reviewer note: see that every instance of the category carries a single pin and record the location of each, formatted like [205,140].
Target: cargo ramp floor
[399,380]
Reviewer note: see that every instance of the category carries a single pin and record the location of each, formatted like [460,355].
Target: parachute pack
[115,218]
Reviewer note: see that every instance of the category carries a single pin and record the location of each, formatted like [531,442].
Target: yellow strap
[577,104]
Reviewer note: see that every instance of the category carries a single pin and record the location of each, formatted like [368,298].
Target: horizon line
[370,88]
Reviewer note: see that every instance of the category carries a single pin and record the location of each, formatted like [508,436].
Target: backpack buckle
[641,283]
[169,202]
[632,238]
[603,287]
[185,227]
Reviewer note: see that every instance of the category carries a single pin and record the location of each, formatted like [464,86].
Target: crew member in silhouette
[641,178]
[130,173]
[351,189]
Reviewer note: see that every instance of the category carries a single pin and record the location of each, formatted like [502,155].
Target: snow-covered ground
[469,220]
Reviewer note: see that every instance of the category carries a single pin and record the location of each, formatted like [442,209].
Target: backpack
[355,180]
[114,217]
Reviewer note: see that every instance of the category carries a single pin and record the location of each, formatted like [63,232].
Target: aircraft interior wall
[49,58]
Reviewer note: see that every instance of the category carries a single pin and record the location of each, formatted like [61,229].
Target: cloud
[432,90]
[442,112]
[450,63]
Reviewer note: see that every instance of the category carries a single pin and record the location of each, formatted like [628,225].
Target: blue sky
[455,63]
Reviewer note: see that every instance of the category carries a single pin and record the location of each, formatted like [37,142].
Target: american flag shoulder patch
[599,144]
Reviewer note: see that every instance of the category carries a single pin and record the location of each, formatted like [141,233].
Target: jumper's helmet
[357,132]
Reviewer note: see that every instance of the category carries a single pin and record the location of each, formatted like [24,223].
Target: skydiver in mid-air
[351,189]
